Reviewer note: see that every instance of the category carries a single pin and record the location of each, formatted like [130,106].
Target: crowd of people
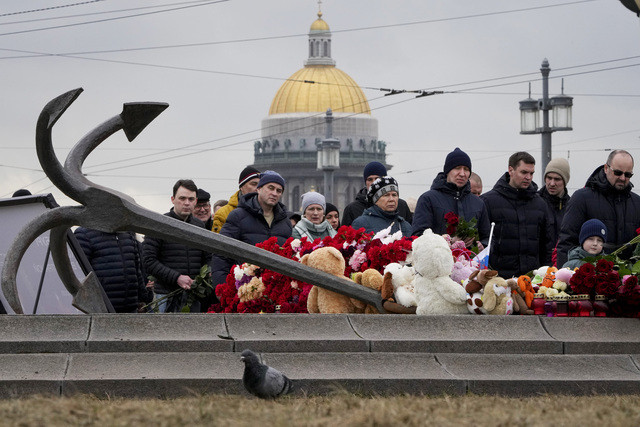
[532,226]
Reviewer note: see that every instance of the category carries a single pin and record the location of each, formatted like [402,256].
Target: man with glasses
[607,196]
[202,209]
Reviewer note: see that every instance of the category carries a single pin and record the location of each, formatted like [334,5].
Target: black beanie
[374,168]
[247,175]
[593,227]
[456,158]
[331,208]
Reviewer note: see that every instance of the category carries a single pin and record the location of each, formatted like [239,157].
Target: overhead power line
[104,12]
[49,8]
[346,30]
[33,30]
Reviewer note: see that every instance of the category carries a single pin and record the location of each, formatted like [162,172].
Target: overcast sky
[220,88]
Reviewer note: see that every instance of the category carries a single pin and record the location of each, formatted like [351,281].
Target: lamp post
[329,157]
[560,106]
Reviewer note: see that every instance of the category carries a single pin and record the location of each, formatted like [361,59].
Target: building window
[295,199]
[326,49]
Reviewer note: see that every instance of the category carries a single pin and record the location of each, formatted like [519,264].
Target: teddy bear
[519,295]
[497,296]
[436,293]
[474,286]
[371,278]
[322,300]
[401,279]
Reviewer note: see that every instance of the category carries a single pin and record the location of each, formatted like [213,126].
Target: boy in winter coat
[593,236]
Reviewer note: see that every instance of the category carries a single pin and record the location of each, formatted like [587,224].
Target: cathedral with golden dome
[296,125]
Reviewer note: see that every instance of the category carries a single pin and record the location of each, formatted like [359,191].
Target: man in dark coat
[174,264]
[202,208]
[451,192]
[607,196]
[116,260]
[372,171]
[258,217]
[522,236]
[554,192]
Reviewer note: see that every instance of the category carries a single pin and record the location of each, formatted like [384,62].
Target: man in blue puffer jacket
[258,217]
[115,258]
[451,192]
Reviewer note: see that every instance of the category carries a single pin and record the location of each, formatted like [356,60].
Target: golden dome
[342,95]
[319,24]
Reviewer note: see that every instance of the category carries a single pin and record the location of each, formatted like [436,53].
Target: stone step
[169,374]
[289,333]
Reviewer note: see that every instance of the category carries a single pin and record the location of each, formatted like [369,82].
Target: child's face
[593,245]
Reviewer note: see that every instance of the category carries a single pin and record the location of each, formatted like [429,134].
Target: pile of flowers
[600,279]
[252,289]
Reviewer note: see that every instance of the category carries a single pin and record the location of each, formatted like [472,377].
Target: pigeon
[262,380]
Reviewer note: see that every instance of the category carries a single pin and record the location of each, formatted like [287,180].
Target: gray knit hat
[561,167]
[313,198]
[380,187]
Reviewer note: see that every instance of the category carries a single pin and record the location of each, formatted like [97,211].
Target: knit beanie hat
[21,192]
[561,167]
[247,175]
[270,176]
[593,227]
[456,158]
[380,187]
[331,208]
[313,198]
[202,196]
[374,168]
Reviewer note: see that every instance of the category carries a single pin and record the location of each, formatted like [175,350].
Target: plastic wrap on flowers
[250,289]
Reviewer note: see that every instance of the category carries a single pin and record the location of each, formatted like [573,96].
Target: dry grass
[341,409]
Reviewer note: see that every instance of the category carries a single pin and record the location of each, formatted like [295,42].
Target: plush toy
[474,286]
[435,291]
[497,296]
[524,283]
[322,300]
[371,278]
[549,277]
[401,279]
[562,279]
[519,295]
[538,276]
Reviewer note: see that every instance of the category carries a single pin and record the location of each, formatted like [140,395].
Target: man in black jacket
[554,192]
[258,217]
[372,171]
[607,196]
[522,235]
[173,264]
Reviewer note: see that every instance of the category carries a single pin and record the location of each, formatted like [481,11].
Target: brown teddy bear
[371,278]
[322,300]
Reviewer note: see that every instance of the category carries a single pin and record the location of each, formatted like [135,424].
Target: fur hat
[313,198]
[593,227]
[374,168]
[247,175]
[561,167]
[270,176]
[202,196]
[456,158]
[380,187]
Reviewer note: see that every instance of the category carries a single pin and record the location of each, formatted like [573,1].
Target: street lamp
[329,157]
[560,107]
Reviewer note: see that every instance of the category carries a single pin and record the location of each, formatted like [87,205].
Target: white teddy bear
[402,281]
[435,291]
